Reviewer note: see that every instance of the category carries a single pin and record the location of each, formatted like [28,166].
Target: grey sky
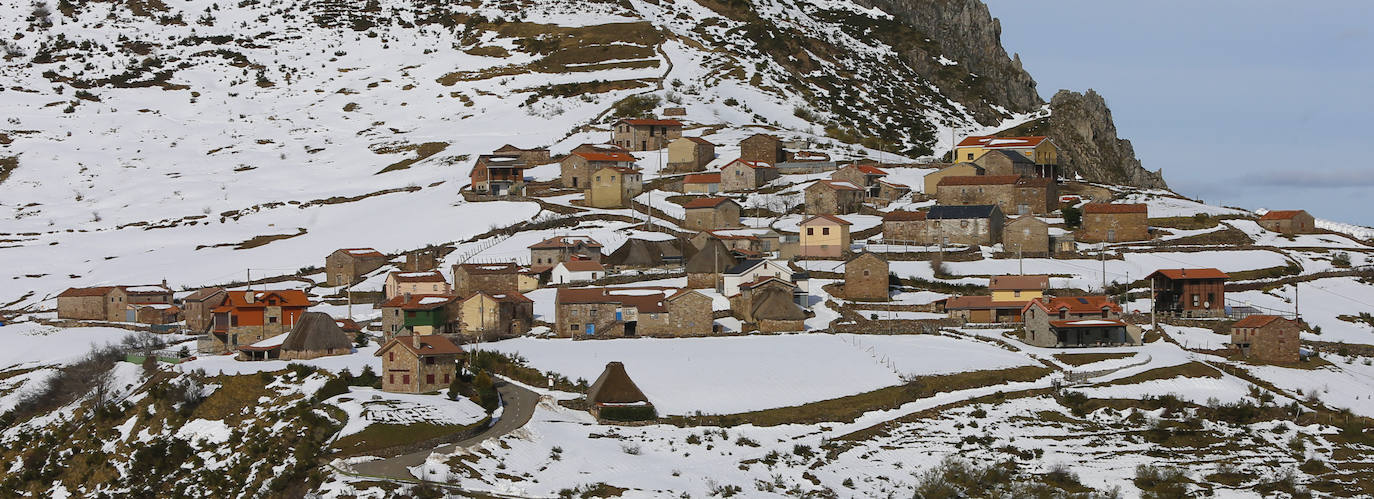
[1256,104]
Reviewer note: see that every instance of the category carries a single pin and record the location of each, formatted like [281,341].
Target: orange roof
[287,298]
[831,218]
[702,178]
[1075,304]
[648,122]
[430,344]
[904,216]
[95,291]
[752,164]
[582,266]
[1281,214]
[871,170]
[418,302]
[980,180]
[1115,208]
[605,156]
[1177,274]
[707,202]
[991,142]
[839,185]
[426,276]
[1014,282]
[1072,323]
[1256,320]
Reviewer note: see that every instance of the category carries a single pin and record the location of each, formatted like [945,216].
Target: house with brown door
[639,134]
[498,174]
[1189,292]
[418,363]
[247,317]
[577,167]
[1268,338]
[551,251]
[1076,321]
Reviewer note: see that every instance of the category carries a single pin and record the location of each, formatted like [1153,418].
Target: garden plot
[368,406]
[686,375]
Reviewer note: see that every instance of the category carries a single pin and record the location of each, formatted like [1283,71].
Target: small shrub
[744,441]
[632,450]
[803,451]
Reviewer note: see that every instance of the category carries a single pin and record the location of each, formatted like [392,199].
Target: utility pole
[349,292]
[1102,255]
[1020,264]
[1154,315]
[1297,315]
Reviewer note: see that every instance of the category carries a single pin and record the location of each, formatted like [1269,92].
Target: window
[391,356]
[1017,293]
[825,231]
[963,224]
[271,320]
[405,379]
[865,273]
[1211,298]
[429,379]
[970,156]
[429,361]
[391,378]
[598,178]
[1195,300]
[810,231]
[572,313]
[1062,313]
[574,327]
[445,378]
[592,313]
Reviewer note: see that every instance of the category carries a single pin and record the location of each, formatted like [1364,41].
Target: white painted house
[752,270]
[576,271]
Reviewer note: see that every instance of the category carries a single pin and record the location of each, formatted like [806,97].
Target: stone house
[741,175]
[530,278]
[577,167]
[614,312]
[890,191]
[247,317]
[1005,162]
[531,157]
[932,180]
[573,271]
[152,313]
[551,251]
[824,236]
[690,154]
[905,227]
[763,148]
[349,265]
[701,183]
[689,314]
[315,335]
[1039,149]
[422,314]
[866,177]
[1027,235]
[1189,292]
[429,282]
[422,259]
[101,303]
[981,309]
[833,197]
[710,213]
[638,134]
[1288,222]
[977,225]
[1268,338]
[739,241]
[196,308]
[418,363]
[1011,193]
[488,316]
[1111,223]
[614,187]
[769,304]
[498,174]
[488,277]
[1076,321]
[866,278]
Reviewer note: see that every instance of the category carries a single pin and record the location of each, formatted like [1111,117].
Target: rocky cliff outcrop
[1081,125]
[965,32]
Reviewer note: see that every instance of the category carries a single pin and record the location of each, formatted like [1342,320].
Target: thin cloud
[1324,178]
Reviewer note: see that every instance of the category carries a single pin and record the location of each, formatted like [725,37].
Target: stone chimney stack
[415,340]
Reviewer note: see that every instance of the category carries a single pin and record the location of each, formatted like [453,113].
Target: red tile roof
[871,170]
[427,276]
[1177,274]
[606,156]
[757,165]
[1075,304]
[707,202]
[430,344]
[702,178]
[1115,208]
[991,142]
[582,266]
[1281,214]
[831,218]
[1256,321]
[1073,323]
[287,298]
[980,180]
[648,122]
[904,216]
[1016,282]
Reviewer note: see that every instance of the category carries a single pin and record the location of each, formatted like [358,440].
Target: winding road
[519,404]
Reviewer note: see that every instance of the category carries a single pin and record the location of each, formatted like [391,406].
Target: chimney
[415,340]
[407,297]
[248,296]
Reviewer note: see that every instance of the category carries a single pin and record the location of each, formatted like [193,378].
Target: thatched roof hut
[774,303]
[713,257]
[316,334]
[614,387]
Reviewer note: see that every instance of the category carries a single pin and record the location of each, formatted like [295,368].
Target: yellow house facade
[614,187]
[1039,149]
[824,236]
[480,312]
[1018,288]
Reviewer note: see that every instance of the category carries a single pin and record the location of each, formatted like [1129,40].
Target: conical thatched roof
[775,303]
[316,331]
[614,386]
[636,253]
[713,257]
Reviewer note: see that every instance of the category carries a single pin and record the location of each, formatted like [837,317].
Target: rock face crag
[1081,125]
